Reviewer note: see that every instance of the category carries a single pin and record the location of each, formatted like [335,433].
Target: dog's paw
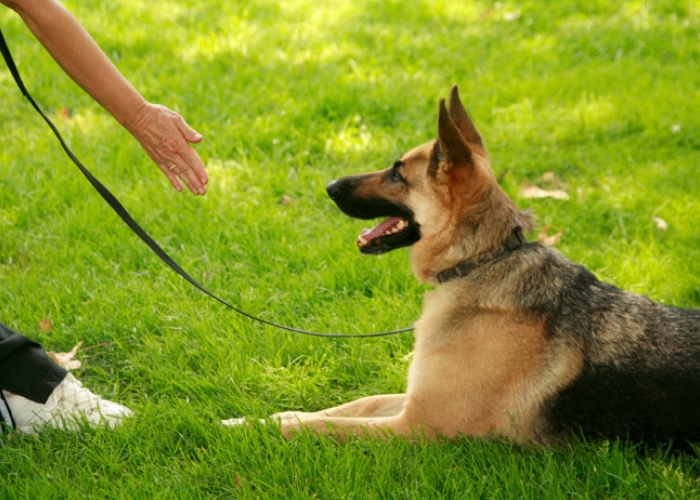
[233,422]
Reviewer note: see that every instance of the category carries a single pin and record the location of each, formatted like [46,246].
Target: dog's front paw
[233,422]
[287,415]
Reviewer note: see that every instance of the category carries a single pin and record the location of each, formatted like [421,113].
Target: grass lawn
[602,96]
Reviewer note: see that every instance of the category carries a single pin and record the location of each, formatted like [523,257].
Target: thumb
[190,134]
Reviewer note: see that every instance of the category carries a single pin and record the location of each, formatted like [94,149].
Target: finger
[172,177]
[193,178]
[193,183]
[188,154]
[190,134]
[187,176]
[194,136]
[194,162]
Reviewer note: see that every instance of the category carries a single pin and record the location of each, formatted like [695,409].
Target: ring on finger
[172,167]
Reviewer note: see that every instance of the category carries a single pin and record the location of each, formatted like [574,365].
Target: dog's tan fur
[528,345]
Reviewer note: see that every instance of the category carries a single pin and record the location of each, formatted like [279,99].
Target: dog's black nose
[333,189]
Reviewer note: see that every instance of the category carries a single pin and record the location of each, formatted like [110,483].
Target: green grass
[289,96]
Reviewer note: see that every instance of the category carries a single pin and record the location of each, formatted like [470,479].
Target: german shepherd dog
[515,340]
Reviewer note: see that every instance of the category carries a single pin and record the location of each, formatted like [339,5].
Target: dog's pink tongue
[379,230]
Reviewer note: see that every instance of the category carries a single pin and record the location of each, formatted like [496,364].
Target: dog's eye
[395,175]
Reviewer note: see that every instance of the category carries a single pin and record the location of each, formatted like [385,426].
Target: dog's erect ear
[454,147]
[461,118]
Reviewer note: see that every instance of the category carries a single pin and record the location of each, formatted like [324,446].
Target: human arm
[163,134]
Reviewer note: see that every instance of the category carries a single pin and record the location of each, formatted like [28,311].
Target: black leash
[121,211]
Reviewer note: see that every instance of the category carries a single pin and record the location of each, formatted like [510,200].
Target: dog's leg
[386,405]
[382,427]
[380,415]
[375,415]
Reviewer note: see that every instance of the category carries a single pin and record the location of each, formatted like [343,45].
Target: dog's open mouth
[392,233]
[399,229]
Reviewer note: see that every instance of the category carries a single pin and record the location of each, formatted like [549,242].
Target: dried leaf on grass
[45,325]
[67,359]
[530,191]
[553,240]
[555,188]
[551,178]
[660,223]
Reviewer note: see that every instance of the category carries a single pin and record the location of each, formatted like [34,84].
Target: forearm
[80,57]
[163,134]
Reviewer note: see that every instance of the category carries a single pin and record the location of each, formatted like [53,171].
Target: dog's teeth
[400,226]
[361,241]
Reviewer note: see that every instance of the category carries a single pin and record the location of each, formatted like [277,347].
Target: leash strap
[141,233]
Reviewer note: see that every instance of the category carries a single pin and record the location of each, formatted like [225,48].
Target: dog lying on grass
[516,340]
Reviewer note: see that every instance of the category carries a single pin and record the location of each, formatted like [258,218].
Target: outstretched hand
[166,137]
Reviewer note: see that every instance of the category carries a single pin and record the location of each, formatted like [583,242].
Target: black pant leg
[25,368]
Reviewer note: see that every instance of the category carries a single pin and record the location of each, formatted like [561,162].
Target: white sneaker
[68,404]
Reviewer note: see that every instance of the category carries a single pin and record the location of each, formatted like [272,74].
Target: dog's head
[442,198]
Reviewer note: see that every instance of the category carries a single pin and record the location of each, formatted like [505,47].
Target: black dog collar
[515,241]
